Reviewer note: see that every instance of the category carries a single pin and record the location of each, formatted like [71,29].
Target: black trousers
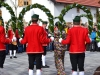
[77,60]
[37,58]
[2,58]
[45,51]
[12,47]
[94,46]
[24,47]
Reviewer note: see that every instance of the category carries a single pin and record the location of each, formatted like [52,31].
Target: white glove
[20,39]
[98,44]
[60,40]
[22,35]
[49,34]
[52,38]
[90,39]
[6,36]
[14,39]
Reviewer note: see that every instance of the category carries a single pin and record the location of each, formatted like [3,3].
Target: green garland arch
[83,15]
[98,26]
[67,8]
[11,12]
[2,20]
[98,32]
[98,23]
[42,7]
[29,23]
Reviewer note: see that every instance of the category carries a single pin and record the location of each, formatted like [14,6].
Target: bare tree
[15,6]
[14,3]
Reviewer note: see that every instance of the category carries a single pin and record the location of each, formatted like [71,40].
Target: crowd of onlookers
[94,46]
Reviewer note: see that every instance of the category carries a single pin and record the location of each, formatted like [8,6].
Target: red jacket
[10,34]
[17,34]
[34,37]
[77,37]
[46,34]
[3,39]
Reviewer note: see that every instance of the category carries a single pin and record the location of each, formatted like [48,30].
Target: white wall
[72,13]
[5,13]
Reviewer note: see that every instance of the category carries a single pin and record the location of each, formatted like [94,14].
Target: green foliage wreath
[13,18]
[84,15]
[42,7]
[98,23]
[67,8]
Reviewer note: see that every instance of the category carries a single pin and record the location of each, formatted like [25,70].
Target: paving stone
[19,66]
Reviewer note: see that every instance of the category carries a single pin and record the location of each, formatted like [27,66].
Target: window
[24,2]
[29,2]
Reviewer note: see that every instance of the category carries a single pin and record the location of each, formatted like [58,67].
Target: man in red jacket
[34,37]
[77,37]
[3,41]
[44,25]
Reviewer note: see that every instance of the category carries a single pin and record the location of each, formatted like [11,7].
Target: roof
[93,3]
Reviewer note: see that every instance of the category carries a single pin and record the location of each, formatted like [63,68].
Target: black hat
[94,29]
[45,22]
[35,17]
[77,19]
[56,24]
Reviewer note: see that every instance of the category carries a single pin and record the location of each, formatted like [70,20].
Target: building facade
[54,7]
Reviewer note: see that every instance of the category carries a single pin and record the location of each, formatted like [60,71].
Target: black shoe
[15,57]
[46,66]
[10,57]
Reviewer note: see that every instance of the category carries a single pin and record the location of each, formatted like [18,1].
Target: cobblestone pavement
[19,66]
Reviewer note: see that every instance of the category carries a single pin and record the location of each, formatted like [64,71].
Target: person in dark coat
[44,25]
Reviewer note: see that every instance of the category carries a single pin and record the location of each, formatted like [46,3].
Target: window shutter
[20,3]
[29,2]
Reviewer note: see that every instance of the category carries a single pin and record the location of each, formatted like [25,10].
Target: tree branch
[17,6]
